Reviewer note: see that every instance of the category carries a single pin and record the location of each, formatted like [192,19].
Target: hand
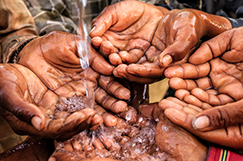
[124,30]
[175,143]
[143,71]
[25,100]
[178,34]
[212,92]
[56,73]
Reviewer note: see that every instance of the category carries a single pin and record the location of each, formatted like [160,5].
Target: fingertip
[37,122]
[166,60]
[109,120]
[52,159]
[119,106]
[115,59]
[93,29]
[200,123]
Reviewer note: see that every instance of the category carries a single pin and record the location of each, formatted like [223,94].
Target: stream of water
[83,47]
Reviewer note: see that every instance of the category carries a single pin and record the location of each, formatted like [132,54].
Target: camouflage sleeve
[51,15]
[16,28]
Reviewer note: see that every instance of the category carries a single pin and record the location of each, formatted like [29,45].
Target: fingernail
[93,28]
[167,59]
[200,122]
[36,122]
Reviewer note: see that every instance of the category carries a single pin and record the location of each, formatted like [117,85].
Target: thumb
[101,23]
[219,117]
[211,48]
[23,110]
[177,51]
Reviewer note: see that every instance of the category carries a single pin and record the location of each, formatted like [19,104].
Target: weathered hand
[25,101]
[124,30]
[215,86]
[56,67]
[179,32]
[124,139]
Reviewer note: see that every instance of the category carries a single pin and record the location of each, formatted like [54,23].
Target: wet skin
[174,142]
[49,68]
[209,91]
[174,38]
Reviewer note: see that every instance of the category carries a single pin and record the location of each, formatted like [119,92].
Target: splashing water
[83,47]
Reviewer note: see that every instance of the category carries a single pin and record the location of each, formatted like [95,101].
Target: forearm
[16,27]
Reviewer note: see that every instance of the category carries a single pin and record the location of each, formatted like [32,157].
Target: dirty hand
[175,143]
[124,30]
[211,91]
[54,72]
[178,34]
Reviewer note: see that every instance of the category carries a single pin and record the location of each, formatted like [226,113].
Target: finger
[115,59]
[113,87]
[63,128]
[219,117]
[177,104]
[152,53]
[18,105]
[96,121]
[146,70]
[178,83]
[101,23]
[184,104]
[109,102]
[190,99]
[106,48]
[96,42]
[211,48]
[121,72]
[184,45]
[98,63]
[187,84]
[98,144]
[221,137]
[188,71]
[109,119]
[210,98]
[131,56]
[181,93]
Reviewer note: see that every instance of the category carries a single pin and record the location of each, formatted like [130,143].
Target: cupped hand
[178,34]
[26,103]
[211,92]
[124,30]
[55,63]
[137,129]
